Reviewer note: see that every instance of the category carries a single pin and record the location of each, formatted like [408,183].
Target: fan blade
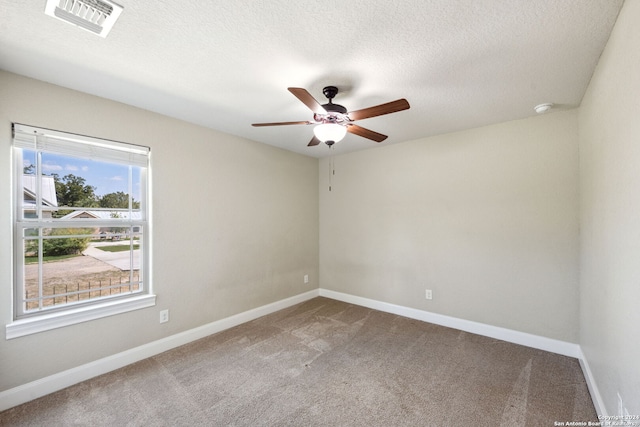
[379,110]
[307,100]
[366,133]
[282,124]
[314,141]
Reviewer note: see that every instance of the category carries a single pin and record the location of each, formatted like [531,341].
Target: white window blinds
[33,138]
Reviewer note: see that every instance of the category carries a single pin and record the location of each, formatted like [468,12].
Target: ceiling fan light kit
[326,132]
[333,121]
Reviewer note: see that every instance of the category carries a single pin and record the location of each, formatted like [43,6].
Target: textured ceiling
[227,64]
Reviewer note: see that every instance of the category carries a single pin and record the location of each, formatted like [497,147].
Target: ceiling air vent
[97,16]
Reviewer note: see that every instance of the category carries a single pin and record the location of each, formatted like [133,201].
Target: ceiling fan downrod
[330,92]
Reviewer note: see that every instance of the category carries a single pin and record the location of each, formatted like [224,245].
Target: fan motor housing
[330,92]
[334,108]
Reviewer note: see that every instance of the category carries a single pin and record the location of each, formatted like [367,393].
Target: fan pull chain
[332,170]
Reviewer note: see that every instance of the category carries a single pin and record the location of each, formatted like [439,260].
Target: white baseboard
[35,389]
[509,335]
[52,383]
[596,397]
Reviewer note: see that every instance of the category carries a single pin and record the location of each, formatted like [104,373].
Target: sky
[105,177]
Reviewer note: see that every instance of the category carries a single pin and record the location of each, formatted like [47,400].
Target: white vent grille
[96,16]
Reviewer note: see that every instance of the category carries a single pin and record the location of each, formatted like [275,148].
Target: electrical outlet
[164,316]
[306,278]
[428,294]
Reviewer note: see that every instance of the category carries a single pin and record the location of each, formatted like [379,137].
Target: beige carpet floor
[327,363]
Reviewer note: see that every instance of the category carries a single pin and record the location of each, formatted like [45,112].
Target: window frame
[42,140]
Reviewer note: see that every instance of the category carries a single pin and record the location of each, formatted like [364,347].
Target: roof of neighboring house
[48,192]
[102,214]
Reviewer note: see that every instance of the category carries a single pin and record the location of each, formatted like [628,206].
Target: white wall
[486,218]
[609,126]
[235,226]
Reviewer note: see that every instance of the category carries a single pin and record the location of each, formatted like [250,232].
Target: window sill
[46,322]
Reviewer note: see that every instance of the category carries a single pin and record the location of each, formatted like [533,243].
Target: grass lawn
[116,248]
[34,259]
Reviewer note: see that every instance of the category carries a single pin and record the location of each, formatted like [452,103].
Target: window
[81,229]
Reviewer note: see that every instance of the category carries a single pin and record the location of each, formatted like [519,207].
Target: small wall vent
[96,16]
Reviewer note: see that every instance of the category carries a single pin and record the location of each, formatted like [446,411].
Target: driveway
[119,260]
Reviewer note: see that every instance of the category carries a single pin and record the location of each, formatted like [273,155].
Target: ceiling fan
[333,121]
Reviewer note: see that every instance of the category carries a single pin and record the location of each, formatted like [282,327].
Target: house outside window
[81,229]
[49,201]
